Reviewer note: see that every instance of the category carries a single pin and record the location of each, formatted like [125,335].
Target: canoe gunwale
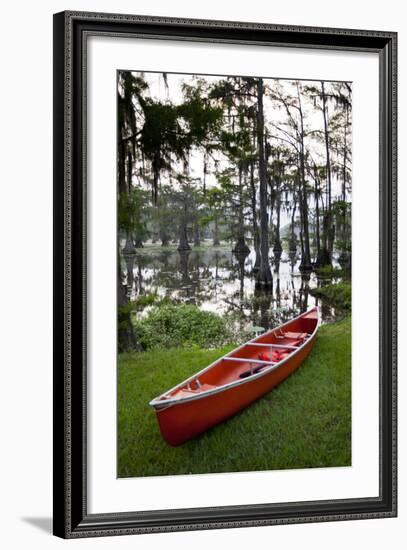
[158,403]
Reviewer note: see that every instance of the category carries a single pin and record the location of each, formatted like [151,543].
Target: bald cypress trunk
[197,235]
[216,241]
[264,276]
[256,236]
[241,246]
[183,233]
[317,229]
[183,237]
[126,336]
[122,166]
[306,264]
[277,248]
[326,253]
[293,239]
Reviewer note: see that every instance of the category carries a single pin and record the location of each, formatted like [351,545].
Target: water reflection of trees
[224,282]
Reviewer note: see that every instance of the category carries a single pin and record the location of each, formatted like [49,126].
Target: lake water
[216,280]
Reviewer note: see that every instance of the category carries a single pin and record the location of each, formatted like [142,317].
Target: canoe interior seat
[183,392]
[296,335]
[206,387]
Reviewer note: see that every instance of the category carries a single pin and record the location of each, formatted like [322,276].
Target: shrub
[339,295]
[170,326]
[332,272]
[144,301]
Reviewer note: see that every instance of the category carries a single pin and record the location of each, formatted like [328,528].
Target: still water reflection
[217,280]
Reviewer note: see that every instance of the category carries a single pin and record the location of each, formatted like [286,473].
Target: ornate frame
[71,519]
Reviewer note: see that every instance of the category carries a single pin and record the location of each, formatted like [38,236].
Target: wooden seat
[182,392]
[296,335]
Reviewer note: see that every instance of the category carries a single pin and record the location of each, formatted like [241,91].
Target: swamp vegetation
[234,196]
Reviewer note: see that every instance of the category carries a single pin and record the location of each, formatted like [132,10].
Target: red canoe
[235,380]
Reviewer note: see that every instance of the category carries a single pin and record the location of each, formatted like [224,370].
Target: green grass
[303,423]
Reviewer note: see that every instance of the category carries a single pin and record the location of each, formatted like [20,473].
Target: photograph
[234,273]
[225,273]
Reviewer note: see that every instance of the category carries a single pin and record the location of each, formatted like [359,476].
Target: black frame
[71,519]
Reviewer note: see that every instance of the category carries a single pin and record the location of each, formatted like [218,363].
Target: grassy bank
[303,423]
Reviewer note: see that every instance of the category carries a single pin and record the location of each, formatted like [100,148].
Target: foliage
[341,210]
[126,337]
[343,245]
[122,315]
[164,222]
[329,272]
[169,326]
[303,423]
[143,301]
[196,156]
[132,212]
[338,295]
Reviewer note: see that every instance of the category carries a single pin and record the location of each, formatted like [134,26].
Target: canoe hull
[185,420]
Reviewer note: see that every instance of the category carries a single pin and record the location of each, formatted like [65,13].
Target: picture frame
[71,516]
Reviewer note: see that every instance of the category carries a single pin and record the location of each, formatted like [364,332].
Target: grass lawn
[303,423]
